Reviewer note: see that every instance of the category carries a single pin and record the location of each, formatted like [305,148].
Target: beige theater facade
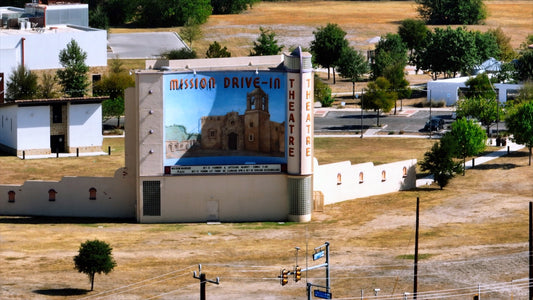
[223,144]
[227,140]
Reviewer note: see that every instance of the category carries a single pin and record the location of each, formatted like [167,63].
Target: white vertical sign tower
[300,127]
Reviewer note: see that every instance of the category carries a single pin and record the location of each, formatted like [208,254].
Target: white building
[34,37]
[40,127]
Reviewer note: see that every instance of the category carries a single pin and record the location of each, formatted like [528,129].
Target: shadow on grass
[62,292]
[59,220]
[486,166]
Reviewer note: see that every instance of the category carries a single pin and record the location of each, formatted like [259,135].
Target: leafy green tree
[450,51]
[120,11]
[322,92]
[469,137]
[327,46]
[519,122]
[485,110]
[94,257]
[379,97]
[503,41]
[352,65]
[480,86]
[390,53]
[22,84]
[156,13]
[113,85]
[98,18]
[486,45]
[215,50]
[524,66]
[525,94]
[448,12]
[224,7]
[439,162]
[191,31]
[73,77]
[47,88]
[183,53]
[414,34]
[266,44]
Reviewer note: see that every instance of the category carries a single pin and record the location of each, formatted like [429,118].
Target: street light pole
[362,95]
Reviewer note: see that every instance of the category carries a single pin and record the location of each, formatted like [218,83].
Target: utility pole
[530,250]
[203,280]
[415,281]
[362,113]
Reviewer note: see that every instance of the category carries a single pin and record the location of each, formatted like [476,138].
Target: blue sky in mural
[186,105]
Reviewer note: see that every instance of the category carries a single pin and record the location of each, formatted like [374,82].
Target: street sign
[322,294]
[318,255]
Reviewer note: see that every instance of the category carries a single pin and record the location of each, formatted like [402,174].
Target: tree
[73,77]
[98,18]
[215,50]
[480,86]
[47,88]
[391,52]
[191,31]
[22,84]
[327,46]
[322,92]
[379,96]
[486,46]
[414,34]
[439,162]
[448,12]
[113,84]
[156,13]
[94,257]
[485,110]
[519,122]
[352,65]
[450,51]
[266,43]
[469,138]
[503,41]
[183,53]
[223,7]
[524,66]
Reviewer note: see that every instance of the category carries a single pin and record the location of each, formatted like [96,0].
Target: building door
[57,143]
[212,210]
[232,141]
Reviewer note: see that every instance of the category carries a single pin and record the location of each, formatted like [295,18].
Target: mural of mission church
[236,129]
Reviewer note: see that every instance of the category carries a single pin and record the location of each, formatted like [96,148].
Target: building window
[92,194]
[251,137]
[339,179]
[251,124]
[361,177]
[57,113]
[152,198]
[404,172]
[52,195]
[383,175]
[212,133]
[11,196]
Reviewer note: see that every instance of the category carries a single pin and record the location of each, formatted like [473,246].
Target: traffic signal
[297,273]
[284,277]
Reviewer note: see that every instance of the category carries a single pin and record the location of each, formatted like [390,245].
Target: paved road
[139,45]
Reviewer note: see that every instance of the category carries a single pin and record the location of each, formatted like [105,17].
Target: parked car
[434,124]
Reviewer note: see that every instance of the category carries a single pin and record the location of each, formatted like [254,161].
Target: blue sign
[318,255]
[322,294]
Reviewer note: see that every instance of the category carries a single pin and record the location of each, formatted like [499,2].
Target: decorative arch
[52,195]
[339,179]
[92,193]
[361,177]
[404,172]
[11,196]
[383,175]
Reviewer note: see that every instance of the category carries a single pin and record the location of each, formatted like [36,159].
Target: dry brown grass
[294,22]
[480,217]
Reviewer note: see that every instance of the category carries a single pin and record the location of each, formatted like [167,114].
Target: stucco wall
[33,124]
[115,197]
[8,126]
[84,122]
[342,181]
[41,50]
[222,198]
